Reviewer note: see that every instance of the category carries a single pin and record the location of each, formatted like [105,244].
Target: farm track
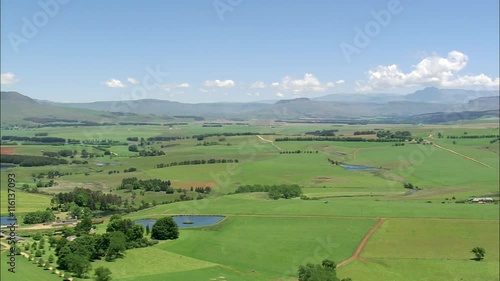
[270,141]
[464,156]
[355,154]
[363,243]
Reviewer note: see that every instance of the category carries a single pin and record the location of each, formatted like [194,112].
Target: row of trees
[39,139]
[358,133]
[473,137]
[323,133]
[226,134]
[31,161]
[298,151]
[274,191]
[197,162]
[346,139]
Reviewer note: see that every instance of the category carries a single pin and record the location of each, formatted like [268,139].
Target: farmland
[432,227]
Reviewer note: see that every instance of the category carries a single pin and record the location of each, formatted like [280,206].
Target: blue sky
[243,50]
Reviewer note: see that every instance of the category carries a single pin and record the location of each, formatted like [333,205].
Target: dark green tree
[479,252]
[165,228]
[117,245]
[102,274]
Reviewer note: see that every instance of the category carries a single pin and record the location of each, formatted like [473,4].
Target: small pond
[101,164]
[5,167]
[186,221]
[358,167]
[5,220]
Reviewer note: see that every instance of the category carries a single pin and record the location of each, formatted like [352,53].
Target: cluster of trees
[84,197]
[39,217]
[401,135]
[399,144]
[353,139]
[359,133]
[197,162]
[209,143]
[31,161]
[60,153]
[298,151]
[323,133]
[152,152]
[212,125]
[79,162]
[41,134]
[130,170]
[334,162]
[275,192]
[408,185]
[86,154]
[147,185]
[76,256]
[326,271]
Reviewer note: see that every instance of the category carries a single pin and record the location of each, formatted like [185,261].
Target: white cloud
[183,85]
[308,84]
[280,95]
[340,82]
[8,78]
[257,94]
[114,83]
[132,81]
[431,71]
[258,85]
[275,84]
[219,83]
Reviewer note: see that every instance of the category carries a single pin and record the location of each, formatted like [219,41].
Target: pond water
[186,221]
[5,167]
[100,164]
[358,167]
[5,220]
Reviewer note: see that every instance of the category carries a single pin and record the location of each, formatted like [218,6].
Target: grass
[433,239]
[294,241]
[342,207]
[25,202]
[420,269]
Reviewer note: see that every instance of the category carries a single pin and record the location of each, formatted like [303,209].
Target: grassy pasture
[243,204]
[293,241]
[420,269]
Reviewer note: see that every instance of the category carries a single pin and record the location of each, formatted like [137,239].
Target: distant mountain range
[21,109]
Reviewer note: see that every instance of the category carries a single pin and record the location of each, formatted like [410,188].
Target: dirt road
[363,243]
[270,141]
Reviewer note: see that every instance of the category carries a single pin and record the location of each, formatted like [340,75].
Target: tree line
[473,137]
[197,162]
[39,139]
[275,192]
[31,161]
[401,135]
[298,151]
[358,133]
[323,133]
[226,134]
[342,139]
